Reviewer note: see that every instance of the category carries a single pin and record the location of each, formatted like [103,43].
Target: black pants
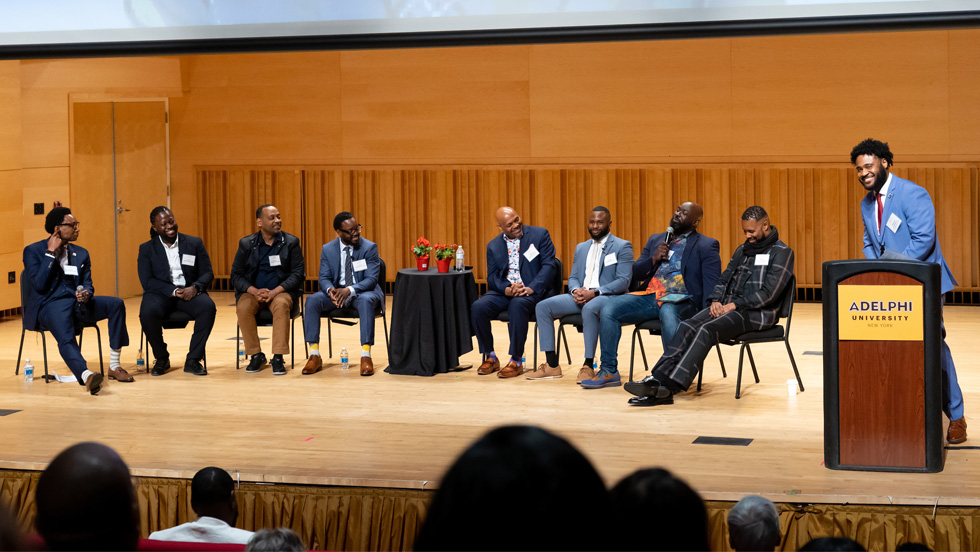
[155,307]
[693,341]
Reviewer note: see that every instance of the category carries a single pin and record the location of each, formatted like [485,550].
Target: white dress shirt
[205,529]
[594,263]
[173,257]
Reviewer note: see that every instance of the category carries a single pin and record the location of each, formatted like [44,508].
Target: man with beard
[899,219]
[61,298]
[267,273]
[601,270]
[520,273]
[670,279]
[175,271]
[349,272]
[746,298]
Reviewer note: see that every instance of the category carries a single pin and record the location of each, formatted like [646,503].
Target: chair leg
[292,351]
[44,348]
[329,340]
[384,322]
[700,375]
[633,352]
[793,362]
[751,361]
[738,382]
[98,337]
[535,362]
[238,346]
[19,351]
[724,374]
[643,353]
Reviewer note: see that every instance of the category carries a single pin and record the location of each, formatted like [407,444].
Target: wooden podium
[882,375]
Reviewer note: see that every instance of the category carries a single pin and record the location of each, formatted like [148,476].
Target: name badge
[610,260]
[359,265]
[274,260]
[762,259]
[531,253]
[893,223]
[71,270]
[670,254]
[187,260]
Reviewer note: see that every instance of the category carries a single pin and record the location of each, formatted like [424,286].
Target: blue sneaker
[602,379]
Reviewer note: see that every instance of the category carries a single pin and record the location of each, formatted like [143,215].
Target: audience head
[832,544]
[516,487]
[162,223]
[667,506]
[86,501]
[509,222]
[755,224]
[213,495]
[753,524]
[912,547]
[268,220]
[275,540]
[599,221]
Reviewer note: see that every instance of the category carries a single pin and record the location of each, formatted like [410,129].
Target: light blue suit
[615,270]
[915,237]
[367,292]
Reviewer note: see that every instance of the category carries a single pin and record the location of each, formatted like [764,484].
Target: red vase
[443,264]
[422,263]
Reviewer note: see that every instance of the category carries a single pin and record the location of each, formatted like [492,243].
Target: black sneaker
[278,366]
[195,367]
[160,367]
[256,363]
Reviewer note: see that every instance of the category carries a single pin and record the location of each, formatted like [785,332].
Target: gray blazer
[614,275]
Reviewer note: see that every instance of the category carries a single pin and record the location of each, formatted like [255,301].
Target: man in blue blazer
[679,262]
[60,298]
[349,271]
[601,270]
[175,271]
[520,273]
[899,217]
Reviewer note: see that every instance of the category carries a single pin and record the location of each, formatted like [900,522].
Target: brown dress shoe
[367,366]
[313,365]
[587,372]
[120,375]
[489,366]
[511,370]
[94,383]
[956,433]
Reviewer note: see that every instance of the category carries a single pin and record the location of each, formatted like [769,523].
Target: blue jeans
[632,309]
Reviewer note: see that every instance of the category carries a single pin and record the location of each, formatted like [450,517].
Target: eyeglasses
[353,231]
[73,224]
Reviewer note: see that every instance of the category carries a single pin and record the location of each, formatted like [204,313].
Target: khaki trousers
[280,306]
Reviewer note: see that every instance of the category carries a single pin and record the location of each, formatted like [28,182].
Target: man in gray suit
[602,268]
[349,272]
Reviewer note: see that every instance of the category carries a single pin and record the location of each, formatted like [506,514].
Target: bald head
[509,222]
[86,501]
[686,217]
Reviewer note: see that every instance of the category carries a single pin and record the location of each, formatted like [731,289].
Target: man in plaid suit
[746,298]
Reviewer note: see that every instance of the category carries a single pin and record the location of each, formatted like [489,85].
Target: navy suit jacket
[42,276]
[365,281]
[700,265]
[154,268]
[537,273]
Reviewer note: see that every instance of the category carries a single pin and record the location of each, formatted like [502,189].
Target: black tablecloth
[430,321]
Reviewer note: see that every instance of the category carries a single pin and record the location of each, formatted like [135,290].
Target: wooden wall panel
[964,92]
[816,209]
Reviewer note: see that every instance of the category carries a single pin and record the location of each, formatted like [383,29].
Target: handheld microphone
[670,234]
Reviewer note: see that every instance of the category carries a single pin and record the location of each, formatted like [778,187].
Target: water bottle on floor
[344,359]
[241,357]
[140,363]
[28,371]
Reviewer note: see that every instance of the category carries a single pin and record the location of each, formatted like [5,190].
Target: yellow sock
[366,350]
[314,346]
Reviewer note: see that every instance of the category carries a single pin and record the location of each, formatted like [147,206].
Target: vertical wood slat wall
[816,209]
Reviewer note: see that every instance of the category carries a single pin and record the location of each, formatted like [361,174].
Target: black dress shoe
[647,387]
[651,401]
[160,367]
[256,363]
[195,367]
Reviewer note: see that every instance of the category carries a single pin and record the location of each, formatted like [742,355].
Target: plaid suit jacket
[756,287]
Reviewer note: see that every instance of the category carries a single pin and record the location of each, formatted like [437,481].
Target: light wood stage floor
[337,428]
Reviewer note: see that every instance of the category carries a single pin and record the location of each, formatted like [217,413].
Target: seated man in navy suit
[681,263]
[267,273]
[520,272]
[601,270]
[61,298]
[175,271]
[349,272]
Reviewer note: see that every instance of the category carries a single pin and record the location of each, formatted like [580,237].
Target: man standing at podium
[899,219]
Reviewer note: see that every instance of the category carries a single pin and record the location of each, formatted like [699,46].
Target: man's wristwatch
[597,292]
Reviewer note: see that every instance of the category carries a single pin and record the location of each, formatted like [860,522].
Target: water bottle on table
[28,371]
[344,359]
[460,259]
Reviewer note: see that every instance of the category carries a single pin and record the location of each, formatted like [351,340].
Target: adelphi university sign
[880,313]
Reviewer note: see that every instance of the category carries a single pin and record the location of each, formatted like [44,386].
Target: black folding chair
[348,316]
[176,320]
[655,327]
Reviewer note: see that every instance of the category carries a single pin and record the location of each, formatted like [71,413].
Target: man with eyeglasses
[60,298]
[350,269]
[267,273]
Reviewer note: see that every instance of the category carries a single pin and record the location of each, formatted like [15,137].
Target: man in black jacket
[175,271]
[267,274]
